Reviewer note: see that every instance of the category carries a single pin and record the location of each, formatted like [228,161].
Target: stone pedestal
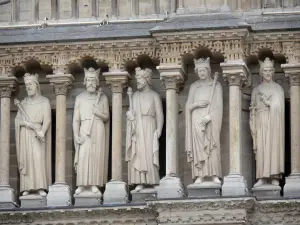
[59,195]
[234,185]
[115,192]
[143,195]
[33,201]
[205,189]
[236,73]
[170,187]
[87,198]
[267,190]
[292,186]
[7,198]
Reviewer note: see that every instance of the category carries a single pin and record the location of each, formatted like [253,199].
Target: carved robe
[34,155]
[267,128]
[142,139]
[203,143]
[91,157]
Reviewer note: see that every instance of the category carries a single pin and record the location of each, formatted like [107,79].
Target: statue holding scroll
[33,139]
[267,126]
[144,126]
[204,110]
[91,135]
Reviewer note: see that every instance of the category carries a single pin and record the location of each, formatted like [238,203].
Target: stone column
[54,10]
[180,9]
[95,8]
[60,193]
[14,11]
[75,9]
[236,73]
[171,186]
[134,8]
[116,190]
[292,182]
[114,8]
[7,194]
[35,10]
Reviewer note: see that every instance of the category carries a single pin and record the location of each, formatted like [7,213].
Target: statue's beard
[91,89]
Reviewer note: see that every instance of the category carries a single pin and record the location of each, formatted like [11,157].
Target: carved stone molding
[7,86]
[292,71]
[236,73]
[61,83]
[172,76]
[117,80]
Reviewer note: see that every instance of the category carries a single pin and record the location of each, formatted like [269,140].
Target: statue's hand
[96,110]
[206,119]
[130,115]
[158,132]
[40,135]
[79,140]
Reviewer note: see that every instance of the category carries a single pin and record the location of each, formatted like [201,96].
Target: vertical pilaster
[171,186]
[54,10]
[95,8]
[116,190]
[60,193]
[15,11]
[7,194]
[75,9]
[114,8]
[35,10]
[236,73]
[292,185]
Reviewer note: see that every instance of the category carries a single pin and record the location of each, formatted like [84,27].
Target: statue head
[32,84]
[143,77]
[267,69]
[202,68]
[91,79]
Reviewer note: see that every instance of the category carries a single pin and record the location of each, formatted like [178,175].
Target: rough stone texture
[206,189]
[88,199]
[292,186]
[170,187]
[116,192]
[33,201]
[59,195]
[7,198]
[267,190]
[143,195]
[234,185]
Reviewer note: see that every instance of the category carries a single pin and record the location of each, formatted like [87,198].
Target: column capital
[61,83]
[292,71]
[117,80]
[7,86]
[236,73]
[172,76]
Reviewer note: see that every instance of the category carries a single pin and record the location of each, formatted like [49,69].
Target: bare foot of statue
[216,180]
[275,182]
[42,193]
[199,180]
[260,182]
[25,193]
[139,187]
[95,189]
[79,190]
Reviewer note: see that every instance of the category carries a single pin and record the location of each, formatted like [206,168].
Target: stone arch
[142,60]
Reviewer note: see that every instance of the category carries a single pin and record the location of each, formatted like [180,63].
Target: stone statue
[91,135]
[204,111]
[33,139]
[144,126]
[267,126]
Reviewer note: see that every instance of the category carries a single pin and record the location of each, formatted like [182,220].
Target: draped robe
[142,146]
[34,156]
[267,129]
[202,144]
[91,157]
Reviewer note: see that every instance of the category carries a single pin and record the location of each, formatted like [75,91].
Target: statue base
[7,198]
[266,190]
[33,201]
[115,192]
[59,195]
[88,198]
[143,195]
[205,189]
[234,185]
[170,187]
[292,186]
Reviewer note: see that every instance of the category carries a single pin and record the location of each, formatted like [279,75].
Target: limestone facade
[168,47]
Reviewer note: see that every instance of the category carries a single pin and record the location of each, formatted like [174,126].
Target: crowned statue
[204,111]
[144,126]
[91,135]
[33,139]
[267,126]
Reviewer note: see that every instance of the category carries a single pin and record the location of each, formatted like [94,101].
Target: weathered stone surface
[170,187]
[88,199]
[147,194]
[115,192]
[59,195]
[33,201]
[205,189]
[292,186]
[267,190]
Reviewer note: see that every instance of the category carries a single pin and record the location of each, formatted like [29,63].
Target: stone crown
[202,62]
[266,63]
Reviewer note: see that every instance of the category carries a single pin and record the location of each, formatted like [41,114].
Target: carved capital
[172,76]
[7,86]
[292,71]
[61,83]
[236,73]
[117,80]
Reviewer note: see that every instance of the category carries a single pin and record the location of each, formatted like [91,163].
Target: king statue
[91,135]
[33,139]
